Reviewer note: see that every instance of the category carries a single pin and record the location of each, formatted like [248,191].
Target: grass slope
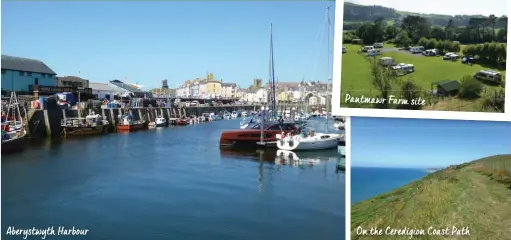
[356,77]
[475,194]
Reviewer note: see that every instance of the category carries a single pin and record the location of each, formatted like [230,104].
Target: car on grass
[451,56]
[378,45]
[430,52]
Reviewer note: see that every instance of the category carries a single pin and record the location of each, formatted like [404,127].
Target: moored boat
[249,137]
[314,141]
[183,122]
[128,124]
[12,130]
[90,125]
[161,122]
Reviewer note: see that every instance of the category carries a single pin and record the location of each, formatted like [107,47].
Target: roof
[448,85]
[71,78]
[125,86]
[105,87]
[229,84]
[25,65]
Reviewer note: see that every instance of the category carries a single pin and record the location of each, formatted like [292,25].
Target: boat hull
[14,145]
[84,130]
[130,127]
[321,142]
[247,138]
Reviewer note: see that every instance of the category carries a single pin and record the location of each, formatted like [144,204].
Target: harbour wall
[47,122]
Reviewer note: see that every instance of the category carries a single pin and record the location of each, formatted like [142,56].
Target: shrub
[410,91]
[470,88]
[495,101]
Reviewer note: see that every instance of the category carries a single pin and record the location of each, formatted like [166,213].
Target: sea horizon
[369,182]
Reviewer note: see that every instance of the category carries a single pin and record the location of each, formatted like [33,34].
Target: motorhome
[451,56]
[387,61]
[489,75]
[378,45]
[430,52]
[367,48]
[416,49]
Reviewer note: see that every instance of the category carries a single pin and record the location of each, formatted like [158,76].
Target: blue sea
[368,182]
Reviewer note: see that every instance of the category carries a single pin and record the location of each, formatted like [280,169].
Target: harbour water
[368,182]
[171,183]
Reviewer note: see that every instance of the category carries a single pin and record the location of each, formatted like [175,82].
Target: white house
[228,90]
[313,100]
[321,100]
[106,90]
[261,95]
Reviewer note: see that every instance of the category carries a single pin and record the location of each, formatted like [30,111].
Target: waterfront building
[229,90]
[313,100]
[194,88]
[136,92]
[72,81]
[261,95]
[108,91]
[21,74]
[283,97]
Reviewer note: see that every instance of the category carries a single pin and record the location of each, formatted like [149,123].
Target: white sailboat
[313,140]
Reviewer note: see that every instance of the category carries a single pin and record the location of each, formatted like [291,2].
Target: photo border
[347,174]
[369,112]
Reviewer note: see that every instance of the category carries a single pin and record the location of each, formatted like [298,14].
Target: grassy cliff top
[476,195]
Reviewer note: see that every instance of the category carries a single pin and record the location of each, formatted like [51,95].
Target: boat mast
[272,74]
[328,66]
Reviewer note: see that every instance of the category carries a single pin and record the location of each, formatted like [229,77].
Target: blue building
[21,74]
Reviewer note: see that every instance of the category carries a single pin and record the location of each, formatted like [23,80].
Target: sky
[410,143]
[145,42]
[448,7]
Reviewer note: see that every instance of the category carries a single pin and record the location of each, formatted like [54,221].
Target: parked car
[378,45]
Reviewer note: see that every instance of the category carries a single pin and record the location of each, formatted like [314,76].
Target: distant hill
[476,194]
[355,13]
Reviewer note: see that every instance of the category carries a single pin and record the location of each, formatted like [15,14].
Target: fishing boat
[92,124]
[127,123]
[12,129]
[234,114]
[161,121]
[183,121]
[244,114]
[227,115]
[340,125]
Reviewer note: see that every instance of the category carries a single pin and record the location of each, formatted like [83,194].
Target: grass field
[475,194]
[356,77]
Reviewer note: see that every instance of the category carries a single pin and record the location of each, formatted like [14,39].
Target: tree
[423,42]
[416,27]
[411,91]
[402,39]
[449,29]
[470,88]
[495,101]
[493,20]
[381,78]
[391,32]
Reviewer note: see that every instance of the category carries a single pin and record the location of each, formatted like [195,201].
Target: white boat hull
[321,141]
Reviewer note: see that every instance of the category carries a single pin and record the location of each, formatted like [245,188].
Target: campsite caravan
[416,49]
[387,61]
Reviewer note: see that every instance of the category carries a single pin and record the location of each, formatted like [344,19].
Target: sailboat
[313,140]
[264,132]
[13,132]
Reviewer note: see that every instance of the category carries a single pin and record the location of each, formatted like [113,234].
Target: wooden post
[47,123]
[114,121]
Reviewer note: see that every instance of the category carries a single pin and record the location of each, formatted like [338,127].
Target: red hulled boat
[250,136]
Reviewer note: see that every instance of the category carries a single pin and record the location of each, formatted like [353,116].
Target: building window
[22,73]
[29,74]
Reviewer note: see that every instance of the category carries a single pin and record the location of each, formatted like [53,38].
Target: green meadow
[356,78]
[476,195]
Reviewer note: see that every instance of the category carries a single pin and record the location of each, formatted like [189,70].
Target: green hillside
[355,15]
[476,195]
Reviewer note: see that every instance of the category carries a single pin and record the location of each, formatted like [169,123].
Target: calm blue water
[173,183]
[368,182]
